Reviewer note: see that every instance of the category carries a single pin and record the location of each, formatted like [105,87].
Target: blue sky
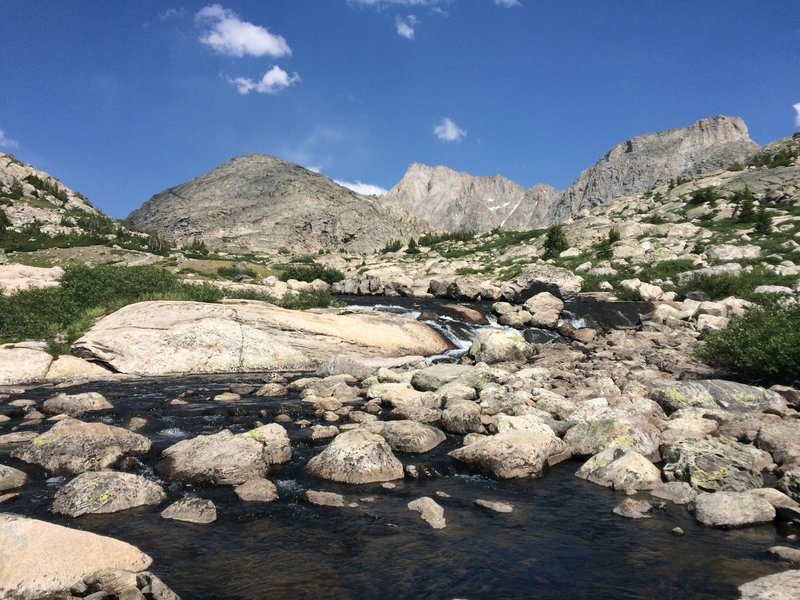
[121,100]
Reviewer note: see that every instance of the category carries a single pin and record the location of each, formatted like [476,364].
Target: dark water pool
[561,540]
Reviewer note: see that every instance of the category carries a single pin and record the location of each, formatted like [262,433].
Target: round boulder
[732,509]
[357,456]
[408,436]
[511,454]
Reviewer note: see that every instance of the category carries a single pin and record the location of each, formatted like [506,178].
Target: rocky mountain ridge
[261,204]
[456,201]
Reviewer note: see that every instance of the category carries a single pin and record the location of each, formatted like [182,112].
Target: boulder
[76,405]
[408,436]
[257,489]
[781,440]
[325,498]
[633,509]
[495,345]
[275,440]
[687,428]
[15,277]
[356,456]
[105,492]
[191,510]
[678,492]
[167,337]
[621,470]
[544,308]
[11,478]
[436,376]
[713,464]
[780,586]
[72,447]
[219,459]
[786,554]
[38,559]
[71,368]
[592,437]
[462,417]
[542,278]
[24,362]
[716,393]
[786,509]
[399,394]
[431,512]
[732,509]
[364,366]
[511,454]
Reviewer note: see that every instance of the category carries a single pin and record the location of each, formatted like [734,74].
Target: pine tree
[555,242]
[746,211]
[763,221]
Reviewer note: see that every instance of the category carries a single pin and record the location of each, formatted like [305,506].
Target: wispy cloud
[6,142]
[507,3]
[360,187]
[381,4]
[448,131]
[272,82]
[796,116]
[172,13]
[227,34]
[405,26]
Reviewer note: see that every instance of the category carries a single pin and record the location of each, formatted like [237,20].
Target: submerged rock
[106,492]
[38,559]
[732,509]
[76,405]
[496,506]
[191,510]
[257,489]
[621,470]
[72,447]
[325,498]
[633,509]
[511,454]
[356,456]
[431,512]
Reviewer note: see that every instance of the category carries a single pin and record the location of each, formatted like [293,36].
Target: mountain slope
[259,204]
[646,161]
[459,201]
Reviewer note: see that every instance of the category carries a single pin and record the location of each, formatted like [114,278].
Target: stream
[561,540]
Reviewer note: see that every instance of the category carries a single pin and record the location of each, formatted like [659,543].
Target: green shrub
[556,241]
[432,239]
[740,285]
[763,221]
[614,235]
[706,195]
[59,315]
[231,271]
[310,273]
[745,211]
[762,346]
[305,299]
[412,247]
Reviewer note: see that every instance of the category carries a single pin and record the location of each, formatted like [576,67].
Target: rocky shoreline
[647,419]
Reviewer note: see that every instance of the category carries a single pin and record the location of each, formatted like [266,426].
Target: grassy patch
[310,272]
[741,285]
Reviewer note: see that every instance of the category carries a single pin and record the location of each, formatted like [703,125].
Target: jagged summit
[455,200]
[260,203]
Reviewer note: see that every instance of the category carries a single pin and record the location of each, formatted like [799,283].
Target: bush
[59,315]
[763,221]
[311,272]
[231,271]
[740,285]
[706,195]
[762,346]
[412,247]
[392,246]
[555,242]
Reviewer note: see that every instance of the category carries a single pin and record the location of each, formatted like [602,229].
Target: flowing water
[561,540]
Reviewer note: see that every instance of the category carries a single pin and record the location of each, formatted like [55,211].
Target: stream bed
[561,540]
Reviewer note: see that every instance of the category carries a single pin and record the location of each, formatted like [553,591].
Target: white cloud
[796,117]
[405,26]
[507,3]
[366,189]
[448,131]
[272,82]
[381,4]
[7,142]
[227,34]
